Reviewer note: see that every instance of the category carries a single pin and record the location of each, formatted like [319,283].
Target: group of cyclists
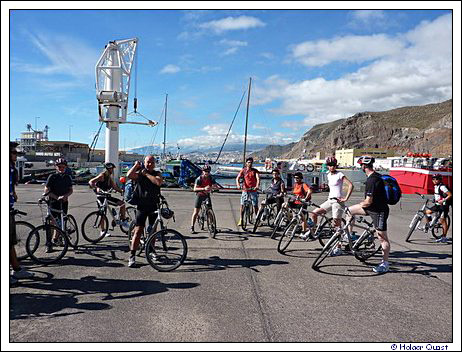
[58,188]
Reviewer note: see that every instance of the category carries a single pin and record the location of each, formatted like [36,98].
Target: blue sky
[307,67]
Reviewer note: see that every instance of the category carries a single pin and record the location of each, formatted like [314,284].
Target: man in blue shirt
[17,272]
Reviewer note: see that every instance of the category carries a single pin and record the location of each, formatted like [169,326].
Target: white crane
[113,73]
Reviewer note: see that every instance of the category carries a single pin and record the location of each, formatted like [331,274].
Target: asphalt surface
[235,288]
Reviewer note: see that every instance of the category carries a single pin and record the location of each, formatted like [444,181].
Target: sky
[307,67]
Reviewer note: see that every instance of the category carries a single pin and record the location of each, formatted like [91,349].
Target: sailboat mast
[247,119]
[165,125]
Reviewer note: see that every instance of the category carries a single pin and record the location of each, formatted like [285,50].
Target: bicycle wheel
[72,231]
[23,229]
[437,230]
[95,226]
[280,223]
[166,250]
[258,219]
[130,213]
[244,217]
[326,230]
[211,223]
[417,219]
[327,249]
[288,235]
[46,244]
[200,219]
[271,215]
[367,245]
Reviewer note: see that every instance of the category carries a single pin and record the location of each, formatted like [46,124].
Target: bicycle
[166,249]
[282,220]
[321,232]
[363,248]
[96,224]
[434,225]
[49,242]
[23,229]
[267,212]
[207,216]
[247,210]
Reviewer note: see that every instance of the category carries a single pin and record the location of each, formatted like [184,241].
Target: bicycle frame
[104,206]
[50,218]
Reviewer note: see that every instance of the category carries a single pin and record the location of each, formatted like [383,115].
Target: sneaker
[381,268]
[306,236]
[125,225]
[354,236]
[13,281]
[336,252]
[131,261]
[239,223]
[106,235]
[49,248]
[442,240]
[22,274]
[193,231]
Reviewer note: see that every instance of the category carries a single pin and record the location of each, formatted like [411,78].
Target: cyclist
[251,182]
[148,194]
[374,205]
[203,185]
[17,272]
[277,189]
[336,199]
[59,187]
[443,200]
[105,182]
[302,192]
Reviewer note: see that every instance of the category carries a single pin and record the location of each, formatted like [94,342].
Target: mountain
[272,151]
[235,147]
[422,129]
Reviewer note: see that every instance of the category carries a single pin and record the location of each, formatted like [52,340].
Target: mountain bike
[207,216]
[48,243]
[433,225]
[247,210]
[96,224]
[364,247]
[320,232]
[267,212]
[23,229]
[166,249]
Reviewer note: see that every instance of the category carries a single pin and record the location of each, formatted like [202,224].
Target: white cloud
[229,51]
[232,23]
[347,49]
[233,42]
[419,73]
[215,135]
[169,69]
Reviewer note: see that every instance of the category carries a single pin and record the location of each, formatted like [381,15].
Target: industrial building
[346,157]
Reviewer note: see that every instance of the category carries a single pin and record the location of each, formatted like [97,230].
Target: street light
[37,117]
[70,126]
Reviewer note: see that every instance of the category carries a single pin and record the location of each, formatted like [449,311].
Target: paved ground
[236,288]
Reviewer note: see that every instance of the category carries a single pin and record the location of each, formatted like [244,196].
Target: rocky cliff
[424,129]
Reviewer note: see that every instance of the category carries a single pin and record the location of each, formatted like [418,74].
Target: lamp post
[70,126]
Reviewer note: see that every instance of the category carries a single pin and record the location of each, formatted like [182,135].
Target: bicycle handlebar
[17,212]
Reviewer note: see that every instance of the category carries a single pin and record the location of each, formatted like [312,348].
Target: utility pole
[165,125]
[37,117]
[70,126]
[247,118]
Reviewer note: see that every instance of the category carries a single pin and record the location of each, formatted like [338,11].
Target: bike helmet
[61,161]
[331,161]
[109,166]
[437,177]
[366,160]
[206,168]
[166,213]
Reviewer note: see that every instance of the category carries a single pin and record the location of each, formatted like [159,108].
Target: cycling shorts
[143,213]
[200,199]
[253,196]
[379,219]
[442,210]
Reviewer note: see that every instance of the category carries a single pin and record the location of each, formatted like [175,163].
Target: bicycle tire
[130,213]
[211,223]
[271,215]
[327,249]
[91,229]
[367,245]
[72,231]
[40,247]
[415,221]
[281,219]
[244,218]
[288,235]
[326,230]
[437,229]
[258,219]
[166,250]
[200,219]
[23,229]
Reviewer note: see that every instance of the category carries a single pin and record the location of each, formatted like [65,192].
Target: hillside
[426,128]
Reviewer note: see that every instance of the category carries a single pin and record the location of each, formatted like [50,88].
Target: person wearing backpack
[443,200]
[375,205]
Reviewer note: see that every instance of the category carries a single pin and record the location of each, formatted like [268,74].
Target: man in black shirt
[59,187]
[148,193]
[375,205]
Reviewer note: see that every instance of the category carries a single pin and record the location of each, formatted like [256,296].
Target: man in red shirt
[250,182]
